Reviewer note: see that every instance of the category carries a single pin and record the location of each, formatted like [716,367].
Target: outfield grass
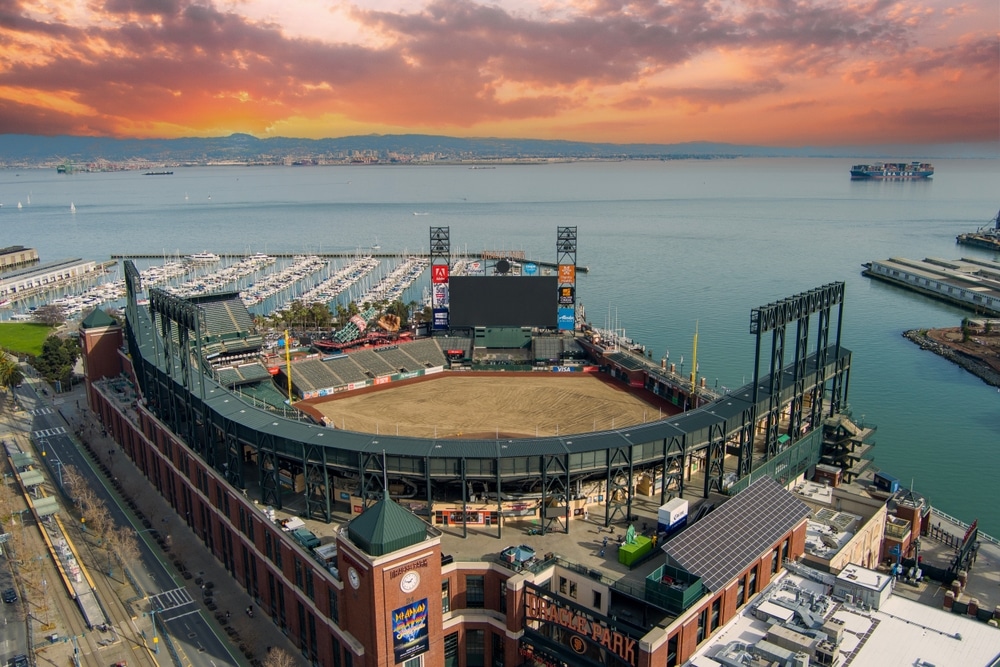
[24,337]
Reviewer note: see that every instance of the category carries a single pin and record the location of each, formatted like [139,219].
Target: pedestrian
[586,514]
[228,614]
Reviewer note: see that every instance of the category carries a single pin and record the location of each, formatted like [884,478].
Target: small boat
[19,205]
[376,246]
[72,207]
[203,257]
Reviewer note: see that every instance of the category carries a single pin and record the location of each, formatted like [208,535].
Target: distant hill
[43,150]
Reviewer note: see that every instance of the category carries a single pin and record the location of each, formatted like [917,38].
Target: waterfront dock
[351,254]
[973,284]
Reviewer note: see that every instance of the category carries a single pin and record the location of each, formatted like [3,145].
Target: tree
[49,314]
[10,373]
[320,314]
[57,359]
[277,657]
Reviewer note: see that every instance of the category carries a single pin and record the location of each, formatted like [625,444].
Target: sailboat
[19,205]
[376,246]
[72,207]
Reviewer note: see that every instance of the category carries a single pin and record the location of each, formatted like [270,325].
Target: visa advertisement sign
[566,319]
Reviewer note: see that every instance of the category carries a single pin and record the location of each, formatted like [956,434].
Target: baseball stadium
[512,407]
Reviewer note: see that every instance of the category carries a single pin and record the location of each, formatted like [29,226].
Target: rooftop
[902,632]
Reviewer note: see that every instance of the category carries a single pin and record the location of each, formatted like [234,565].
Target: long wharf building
[373,549]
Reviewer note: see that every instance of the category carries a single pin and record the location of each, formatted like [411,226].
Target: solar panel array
[725,542]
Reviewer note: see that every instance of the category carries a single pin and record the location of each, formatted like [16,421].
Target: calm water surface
[671,246]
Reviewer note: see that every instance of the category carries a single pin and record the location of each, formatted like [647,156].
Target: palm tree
[10,374]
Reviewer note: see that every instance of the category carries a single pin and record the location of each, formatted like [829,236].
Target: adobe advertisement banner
[409,631]
[567,319]
[439,273]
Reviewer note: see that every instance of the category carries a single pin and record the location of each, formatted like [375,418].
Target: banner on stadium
[359,322]
[439,273]
[530,269]
[566,319]
[567,274]
[440,319]
[433,369]
[567,296]
[410,635]
[383,379]
[439,295]
[475,268]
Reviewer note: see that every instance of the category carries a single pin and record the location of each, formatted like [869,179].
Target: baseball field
[492,405]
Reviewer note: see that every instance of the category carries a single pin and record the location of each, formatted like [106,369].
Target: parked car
[9,595]
[20,660]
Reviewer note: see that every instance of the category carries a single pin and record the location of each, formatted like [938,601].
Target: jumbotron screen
[503,301]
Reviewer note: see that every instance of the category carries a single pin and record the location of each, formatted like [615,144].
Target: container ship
[892,170]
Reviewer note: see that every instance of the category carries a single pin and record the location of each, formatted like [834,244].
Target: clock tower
[390,563]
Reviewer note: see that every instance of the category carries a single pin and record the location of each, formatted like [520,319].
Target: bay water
[672,246]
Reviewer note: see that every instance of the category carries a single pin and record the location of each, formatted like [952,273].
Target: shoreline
[935,341]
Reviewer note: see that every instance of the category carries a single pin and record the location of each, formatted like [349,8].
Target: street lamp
[156,640]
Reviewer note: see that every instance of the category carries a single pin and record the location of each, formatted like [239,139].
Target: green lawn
[24,337]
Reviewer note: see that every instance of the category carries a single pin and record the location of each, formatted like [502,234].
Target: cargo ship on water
[892,171]
[985,237]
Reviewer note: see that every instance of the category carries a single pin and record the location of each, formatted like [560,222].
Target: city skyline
[752,72]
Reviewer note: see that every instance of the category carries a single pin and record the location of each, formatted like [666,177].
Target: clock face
[409,582]
[353,578]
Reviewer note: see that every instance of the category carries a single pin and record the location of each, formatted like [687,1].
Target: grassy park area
[24,337]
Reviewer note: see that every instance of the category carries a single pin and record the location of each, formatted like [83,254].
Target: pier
[346,254]
[973,284]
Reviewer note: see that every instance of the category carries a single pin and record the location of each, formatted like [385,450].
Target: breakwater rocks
[969,362]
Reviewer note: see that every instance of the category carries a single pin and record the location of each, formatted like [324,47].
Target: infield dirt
[491,405]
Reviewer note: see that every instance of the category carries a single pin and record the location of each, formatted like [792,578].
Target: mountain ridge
[239,147]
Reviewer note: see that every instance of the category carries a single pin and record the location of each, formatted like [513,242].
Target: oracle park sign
[581,635]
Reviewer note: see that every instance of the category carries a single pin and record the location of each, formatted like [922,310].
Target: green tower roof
[97,319]
[385,527]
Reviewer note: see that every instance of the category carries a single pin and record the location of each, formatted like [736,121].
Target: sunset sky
[777,72]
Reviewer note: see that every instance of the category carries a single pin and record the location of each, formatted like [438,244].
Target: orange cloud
[749,71]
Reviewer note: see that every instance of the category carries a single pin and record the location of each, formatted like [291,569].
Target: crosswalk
[49,432]
[171,599]
[38,412]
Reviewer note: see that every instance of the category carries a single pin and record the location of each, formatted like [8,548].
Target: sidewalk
[207,580]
